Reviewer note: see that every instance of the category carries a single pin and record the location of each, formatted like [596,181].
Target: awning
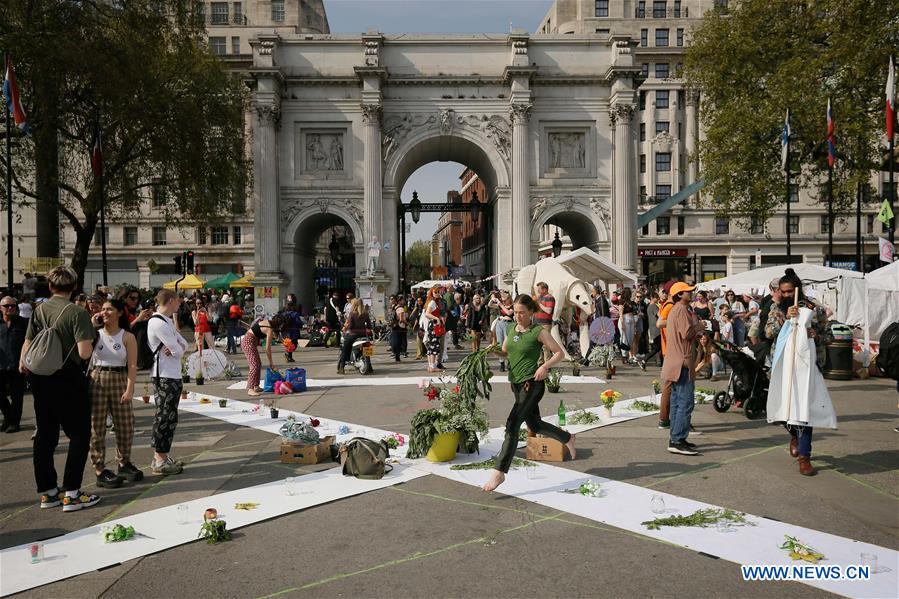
[757,281]
[244,283]
[189,282]
[222,282]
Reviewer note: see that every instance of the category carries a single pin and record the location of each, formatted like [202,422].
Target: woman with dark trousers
[357,325]
[524,347]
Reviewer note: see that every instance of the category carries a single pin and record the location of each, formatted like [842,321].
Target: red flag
[891,99]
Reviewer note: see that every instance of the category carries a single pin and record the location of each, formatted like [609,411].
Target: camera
[148,304]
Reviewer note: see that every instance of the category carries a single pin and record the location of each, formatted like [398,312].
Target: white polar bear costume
[569,291]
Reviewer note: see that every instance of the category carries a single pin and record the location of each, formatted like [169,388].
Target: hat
[680,287]
[226,298]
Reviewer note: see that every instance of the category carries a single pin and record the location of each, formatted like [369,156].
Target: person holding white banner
[797,395]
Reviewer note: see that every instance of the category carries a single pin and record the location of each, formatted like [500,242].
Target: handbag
[297,378]
[271,375]
[439,330]
[365,458]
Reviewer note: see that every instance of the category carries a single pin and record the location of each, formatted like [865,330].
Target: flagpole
[830,158]
[892,193]
[858,228]
[102,209]
[787,170]
[9,244]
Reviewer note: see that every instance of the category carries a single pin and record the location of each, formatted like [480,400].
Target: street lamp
[475,208]
[415,207]
[334,248]
[557,244]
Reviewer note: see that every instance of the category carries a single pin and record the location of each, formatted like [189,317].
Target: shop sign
[663,253]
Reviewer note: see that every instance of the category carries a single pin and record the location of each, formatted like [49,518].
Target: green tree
[418,262]
[171,115]
[755,60]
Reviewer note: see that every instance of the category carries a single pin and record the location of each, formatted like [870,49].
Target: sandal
[253,393]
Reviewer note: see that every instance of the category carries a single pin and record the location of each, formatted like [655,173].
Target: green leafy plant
[582,417]
[587,489]
[490,464]
[799,550]
[474,374]
[703,518]
[656,386]
[523,434]
[553,380]
[644,406]
[391,441]
[214,531]
[114,534]
[575,362]
[603,356]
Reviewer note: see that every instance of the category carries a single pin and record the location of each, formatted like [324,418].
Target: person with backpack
[58,342]
[112,375]
[168,346]
[232,325]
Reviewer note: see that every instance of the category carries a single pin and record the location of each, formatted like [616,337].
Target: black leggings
[526,409]
[656,347]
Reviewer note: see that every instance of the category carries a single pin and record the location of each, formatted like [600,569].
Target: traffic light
[189,262]
[685,267]
[179,266]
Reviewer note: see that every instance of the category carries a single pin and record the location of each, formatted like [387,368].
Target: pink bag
[283,388]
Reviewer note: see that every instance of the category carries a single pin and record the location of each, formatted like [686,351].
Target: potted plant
[184,395]
[553,380]
[608,398]
[575,361]
[199,376]
[223,403]
[460,416]
[273,410]
[604,356]
[185,375]
[146,395]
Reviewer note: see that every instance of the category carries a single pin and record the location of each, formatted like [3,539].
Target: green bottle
[561,413]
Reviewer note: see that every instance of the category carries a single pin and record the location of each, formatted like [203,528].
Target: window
[642,101]
[663,192]
[641,9]
[870,223]
[604,32]
[236,235]
[219,235]
[129,236]
[278,11]
[825,224]
[642,194]
[642,163]
[756,226]
[677,8]
[644,37]
[662,98]
[662,127]
[218,45]
[645,230]
[794,193]
[663,161]
[681,225]
[642,131]
[722,226]
[238,13]
[793,224]
[201,236]
[602,8]
[219,13]
[235,45]
[658,9]
[98,236]
[661,37]
[663,225]
[644,68]
[680,36]
[158,235]
[661,70]
[159,196]
[721,4]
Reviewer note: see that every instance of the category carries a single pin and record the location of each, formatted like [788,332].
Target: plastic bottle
[561,413]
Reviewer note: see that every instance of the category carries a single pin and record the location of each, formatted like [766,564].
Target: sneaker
[693,431]
[167,467]
[688,444]
[130,472]
[12,428]
[642,364]
[714,378]
[664,424]
[681,448]
[73,504]
[48,501]
[108,480]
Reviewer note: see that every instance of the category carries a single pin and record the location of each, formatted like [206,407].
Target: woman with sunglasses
[12,382]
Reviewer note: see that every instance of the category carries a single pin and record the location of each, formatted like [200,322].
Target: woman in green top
[524,347]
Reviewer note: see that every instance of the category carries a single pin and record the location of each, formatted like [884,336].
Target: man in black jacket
[12,382]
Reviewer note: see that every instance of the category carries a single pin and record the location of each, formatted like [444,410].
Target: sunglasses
[10,306]
[134,297]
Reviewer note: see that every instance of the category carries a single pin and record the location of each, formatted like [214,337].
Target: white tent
[881,300]
[443,283]
[756,281]
[587,265]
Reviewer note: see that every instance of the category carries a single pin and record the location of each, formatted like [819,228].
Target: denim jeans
[681,407]
[232,331]
[804,435]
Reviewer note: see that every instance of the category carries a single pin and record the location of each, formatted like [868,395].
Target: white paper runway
[371,381]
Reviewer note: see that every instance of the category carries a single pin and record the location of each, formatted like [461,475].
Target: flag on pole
[13,102]
[886,250]
[97,153]
[831,146]
[886,213]
[891,99]
[785,143]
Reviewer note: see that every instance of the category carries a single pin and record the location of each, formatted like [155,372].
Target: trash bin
[838,354]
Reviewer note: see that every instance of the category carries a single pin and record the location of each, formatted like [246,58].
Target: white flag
[886,250]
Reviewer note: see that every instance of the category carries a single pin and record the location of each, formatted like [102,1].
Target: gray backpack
[44,356]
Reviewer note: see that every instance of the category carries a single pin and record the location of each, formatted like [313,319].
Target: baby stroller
[748,384]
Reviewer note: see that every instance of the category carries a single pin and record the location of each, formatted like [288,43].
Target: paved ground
[435,538]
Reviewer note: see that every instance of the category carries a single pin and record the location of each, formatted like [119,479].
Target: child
[727,327]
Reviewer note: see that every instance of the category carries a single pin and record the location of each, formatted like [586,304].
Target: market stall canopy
[243,283]
[885,278]
[222,282]
[443,283]
[189,282]
[589,266]
[756,281]
[881,306]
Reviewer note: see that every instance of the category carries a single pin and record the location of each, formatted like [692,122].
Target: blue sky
[432,181]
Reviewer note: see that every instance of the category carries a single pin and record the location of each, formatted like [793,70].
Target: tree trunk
[83,240]
[46,167]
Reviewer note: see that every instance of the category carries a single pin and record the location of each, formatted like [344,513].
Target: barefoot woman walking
[524,345]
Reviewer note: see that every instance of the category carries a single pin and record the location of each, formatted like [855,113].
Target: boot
[794,446]
[805,466]
[502,366]
[340,369]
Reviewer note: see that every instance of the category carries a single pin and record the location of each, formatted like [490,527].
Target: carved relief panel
[322,151]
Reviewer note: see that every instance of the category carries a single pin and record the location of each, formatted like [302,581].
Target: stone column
[691,136]
[521,197]
[371,119]
[624,240]
[268,218]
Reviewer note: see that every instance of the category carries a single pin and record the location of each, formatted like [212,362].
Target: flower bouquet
[799,550]
[289,345]
[608,399]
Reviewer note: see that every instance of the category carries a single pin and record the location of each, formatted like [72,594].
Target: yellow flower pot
[443,449]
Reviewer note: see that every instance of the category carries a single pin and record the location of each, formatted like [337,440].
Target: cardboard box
[544,449]
[307,454]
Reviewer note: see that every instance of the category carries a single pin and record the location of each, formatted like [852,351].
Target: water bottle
[561,413]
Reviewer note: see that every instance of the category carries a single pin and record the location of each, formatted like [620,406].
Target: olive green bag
[364,458]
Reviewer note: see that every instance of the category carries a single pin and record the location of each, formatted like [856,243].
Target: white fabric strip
[415,380]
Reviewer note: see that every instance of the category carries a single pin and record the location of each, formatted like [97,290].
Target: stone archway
[304,224]
[583,219]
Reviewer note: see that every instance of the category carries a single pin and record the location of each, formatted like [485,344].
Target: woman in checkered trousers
[112,373]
